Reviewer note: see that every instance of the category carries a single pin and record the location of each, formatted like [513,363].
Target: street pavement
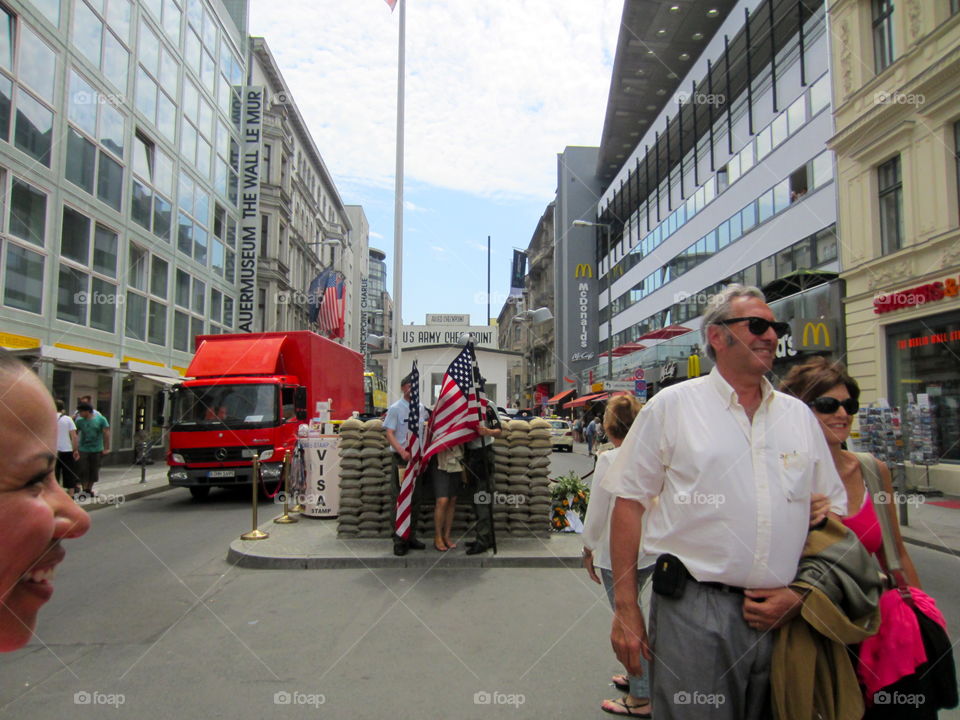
[150,620]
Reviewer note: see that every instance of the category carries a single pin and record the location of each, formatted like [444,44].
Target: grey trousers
[708,663]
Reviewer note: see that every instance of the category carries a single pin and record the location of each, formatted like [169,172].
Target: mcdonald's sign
[583,270]
[814,334]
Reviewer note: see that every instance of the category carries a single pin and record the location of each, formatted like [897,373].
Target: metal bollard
[255,533]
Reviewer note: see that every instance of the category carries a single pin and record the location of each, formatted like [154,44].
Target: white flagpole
[394,374]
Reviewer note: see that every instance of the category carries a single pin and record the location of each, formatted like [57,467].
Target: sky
[495,89]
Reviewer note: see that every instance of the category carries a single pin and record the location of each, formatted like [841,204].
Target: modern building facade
[119,171]
[897,144]
[714,166]
[356,261]
[378,303]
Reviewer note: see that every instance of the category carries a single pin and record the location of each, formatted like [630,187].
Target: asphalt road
[149,621]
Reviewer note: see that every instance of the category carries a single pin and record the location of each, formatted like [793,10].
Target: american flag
[456,415]
[342,303]
[314,294]
[416,463]
[329,319]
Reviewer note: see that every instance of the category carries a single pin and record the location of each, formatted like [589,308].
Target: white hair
[719,308]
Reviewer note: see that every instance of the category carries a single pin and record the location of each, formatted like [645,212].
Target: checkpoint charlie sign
[412,336]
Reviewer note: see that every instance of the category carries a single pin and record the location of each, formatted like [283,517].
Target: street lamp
[606,230]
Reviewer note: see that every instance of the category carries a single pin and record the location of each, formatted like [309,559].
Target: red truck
[248,394]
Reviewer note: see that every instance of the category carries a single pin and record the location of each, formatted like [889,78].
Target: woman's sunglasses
[759,325]
[829,405]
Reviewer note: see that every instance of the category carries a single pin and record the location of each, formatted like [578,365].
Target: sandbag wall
[366,505]
[521,500]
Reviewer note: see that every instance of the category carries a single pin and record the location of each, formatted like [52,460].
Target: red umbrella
[665,333]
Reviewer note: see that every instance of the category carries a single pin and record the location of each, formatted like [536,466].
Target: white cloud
[493,90]
[407,205]
[437,248]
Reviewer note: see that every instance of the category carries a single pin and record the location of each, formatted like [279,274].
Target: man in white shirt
[395,425]
[67,450]
[733,463]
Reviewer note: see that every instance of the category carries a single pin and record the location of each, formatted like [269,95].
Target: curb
[132,495]
[242,559]
[932,546]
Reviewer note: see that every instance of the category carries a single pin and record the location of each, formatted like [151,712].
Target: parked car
[561,434]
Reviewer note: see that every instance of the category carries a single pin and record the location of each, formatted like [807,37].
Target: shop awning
[580,402]
[665,333]
[164,379]
[560,396]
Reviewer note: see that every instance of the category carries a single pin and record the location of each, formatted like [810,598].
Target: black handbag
[933,684]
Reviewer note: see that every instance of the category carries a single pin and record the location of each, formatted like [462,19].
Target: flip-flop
[620,707]
[620,682]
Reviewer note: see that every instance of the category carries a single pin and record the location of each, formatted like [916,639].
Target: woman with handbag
[894,665]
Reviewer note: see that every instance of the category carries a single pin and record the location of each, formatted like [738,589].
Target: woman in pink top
[833,396]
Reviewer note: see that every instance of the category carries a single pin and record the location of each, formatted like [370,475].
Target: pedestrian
[724,467]
[617,419]
[479,463]
[447,480]
[68,451]
[94,433]
[35,513]
[578,430]
[395,425]
[590,434]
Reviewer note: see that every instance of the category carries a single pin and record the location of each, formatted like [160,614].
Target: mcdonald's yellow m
[816,329]
[584,270]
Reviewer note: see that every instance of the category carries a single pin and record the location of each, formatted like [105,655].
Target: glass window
[778,129]
[82,105]
[216,256]
[891,206]
[185,235]
[883,50]
[28,212]
[723,235]
[141,203]
[87,33]
[136,322]
[181,331]
[149,49]
[111,129]
[38,63]
[34,128]
[765,206]
[819,95]
[735,225]
[110,181]
[50,10]
[746,158]
[781,196]
[158,323]
[168,72]
[116,62]
[162,217]
[146,95]
[763,143]
[75,236]
[825,245]
[105,251]
[208,72]
[137,268]
[183,289]
[796,115]
[158,277]
[72,296]
[103,314]
[166,117]
[6,104]
[785,262]
[209,31]
[767,270]
[171,21]
[196,327]
[228,311]
[216,303]
[193,51]
[163,172]
[81,160]
[822,169]
[24,279]
[199,296]
[118,17]
[6,39]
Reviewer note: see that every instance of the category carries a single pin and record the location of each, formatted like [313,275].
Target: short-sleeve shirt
[734,495]
[396,420]
[91,433]
[65,426]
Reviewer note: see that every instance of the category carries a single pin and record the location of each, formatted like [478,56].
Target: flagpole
[394,375]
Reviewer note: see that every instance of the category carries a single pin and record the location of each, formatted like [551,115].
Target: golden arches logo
[816,328]
[583,270]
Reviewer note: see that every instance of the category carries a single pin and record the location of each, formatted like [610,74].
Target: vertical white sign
[252,100]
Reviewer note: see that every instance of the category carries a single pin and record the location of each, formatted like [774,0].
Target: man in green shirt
[94,434]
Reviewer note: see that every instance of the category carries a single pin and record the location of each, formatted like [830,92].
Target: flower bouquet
[570,497]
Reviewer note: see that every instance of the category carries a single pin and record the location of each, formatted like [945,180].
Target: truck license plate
[221,473]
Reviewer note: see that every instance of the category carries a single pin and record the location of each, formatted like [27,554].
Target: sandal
[620,682]
[621,707]
[450,545]
[438,548]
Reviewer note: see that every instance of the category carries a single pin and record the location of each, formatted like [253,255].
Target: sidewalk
[117,485]
[933,522]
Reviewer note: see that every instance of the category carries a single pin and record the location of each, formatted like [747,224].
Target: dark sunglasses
[829,405]
[758,325]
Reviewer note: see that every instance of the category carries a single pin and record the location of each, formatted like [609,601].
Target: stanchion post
[285,519]
[255,533]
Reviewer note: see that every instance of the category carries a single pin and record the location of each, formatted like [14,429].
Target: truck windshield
[206,406]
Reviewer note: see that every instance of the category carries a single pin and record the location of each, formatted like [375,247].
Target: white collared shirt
[734,496]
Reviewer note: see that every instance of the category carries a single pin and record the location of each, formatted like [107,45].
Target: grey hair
[10,362]
[719,309]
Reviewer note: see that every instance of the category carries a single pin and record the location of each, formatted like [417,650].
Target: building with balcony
[715,169]
[897,146]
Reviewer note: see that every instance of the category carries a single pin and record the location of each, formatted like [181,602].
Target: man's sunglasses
[829,405]
[759,325]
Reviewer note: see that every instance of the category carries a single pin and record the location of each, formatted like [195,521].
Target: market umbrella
[665,333]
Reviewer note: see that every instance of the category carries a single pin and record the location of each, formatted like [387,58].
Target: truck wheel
[199,493]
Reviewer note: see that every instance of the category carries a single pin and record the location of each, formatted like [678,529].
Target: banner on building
[517,273]
[252,107]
